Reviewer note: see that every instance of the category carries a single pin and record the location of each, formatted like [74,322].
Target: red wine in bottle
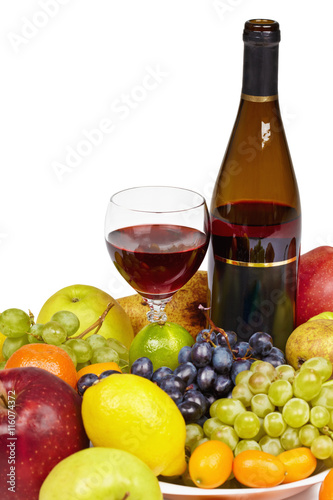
[255,208]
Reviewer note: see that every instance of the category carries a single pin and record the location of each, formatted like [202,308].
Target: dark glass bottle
[255,209]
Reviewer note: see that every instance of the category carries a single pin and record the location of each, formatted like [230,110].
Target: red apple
[40,424]
[315,283]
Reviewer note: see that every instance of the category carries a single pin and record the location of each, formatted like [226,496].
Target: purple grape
[184,354]
[142,367]
[187,372]
[201,354]
[86,381]
[205,378]
[160,373]
[197,397]
[261,343]
[191,411]
[239,366]
[222,359]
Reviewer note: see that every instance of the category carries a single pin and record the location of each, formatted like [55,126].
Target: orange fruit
[98,368]
[258,469]
[326,488]
[48,357]
[299,464]
[210,464]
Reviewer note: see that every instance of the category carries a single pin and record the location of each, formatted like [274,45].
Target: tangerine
[258,469]
[98,368]
[46,356]
[299,463]
[210,464]
[326,488]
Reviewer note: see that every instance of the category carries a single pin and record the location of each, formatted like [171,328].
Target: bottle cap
[262,31]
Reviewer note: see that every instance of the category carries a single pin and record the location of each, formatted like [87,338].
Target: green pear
[100,473]
[323,315]
[311,339]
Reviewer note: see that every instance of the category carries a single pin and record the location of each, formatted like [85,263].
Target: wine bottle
[255,208]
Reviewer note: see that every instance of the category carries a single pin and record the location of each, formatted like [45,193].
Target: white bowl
[177,492]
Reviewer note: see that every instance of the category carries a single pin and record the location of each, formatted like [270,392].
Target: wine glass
[157,237]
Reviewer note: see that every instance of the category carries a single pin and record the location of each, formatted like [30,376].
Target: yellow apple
[89,303]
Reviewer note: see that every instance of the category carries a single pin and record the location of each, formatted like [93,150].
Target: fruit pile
[207,370]
[20,329]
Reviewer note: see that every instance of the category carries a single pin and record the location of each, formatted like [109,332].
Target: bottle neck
[260,70]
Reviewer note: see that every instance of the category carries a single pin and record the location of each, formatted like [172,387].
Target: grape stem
[214,328]
[32,318]
[97,325]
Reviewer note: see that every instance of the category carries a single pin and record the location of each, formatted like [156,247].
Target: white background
[65,72]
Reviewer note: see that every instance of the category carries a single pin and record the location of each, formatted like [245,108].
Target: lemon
[2,339]
[133,414]
[160,343]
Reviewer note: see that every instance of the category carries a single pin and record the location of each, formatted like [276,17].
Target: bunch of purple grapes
[207,371]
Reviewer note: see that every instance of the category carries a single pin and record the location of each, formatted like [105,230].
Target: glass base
[156,313]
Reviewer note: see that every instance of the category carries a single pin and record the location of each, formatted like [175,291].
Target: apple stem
[97,325]
[127,494]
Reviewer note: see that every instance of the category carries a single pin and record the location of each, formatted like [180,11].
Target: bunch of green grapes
[274,410]
[20,329]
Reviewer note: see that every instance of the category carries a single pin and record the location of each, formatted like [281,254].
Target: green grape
[124,366]
[227,435]
[290,439]
[324,398]
[307,384]
[105,355]
[319,416]
[271,445]
[11,344]
[2,365]
[211,424]
[212,409]
[227,410]
[242,393]
[307,434]
[261,405]
[198,443]
[96,340]
[285,372]
[14,323]
[81,348]
[261,432]
[280,392]
[321,365]
[194,432]
[243,377]
[36,331]
[246,444]
[68,320]
[247,425]
[259,383]
[119,348]
[70,353]
[296,412]
[266,368]
[274,424]
[53,333]
[254,364]
[322,447]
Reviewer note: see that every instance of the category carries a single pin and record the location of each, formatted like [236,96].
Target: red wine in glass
[157,259]
[157,237]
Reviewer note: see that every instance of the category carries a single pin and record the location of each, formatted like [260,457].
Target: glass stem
[156,313]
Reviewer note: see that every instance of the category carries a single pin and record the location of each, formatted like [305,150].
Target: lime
[160,343]
[132,413]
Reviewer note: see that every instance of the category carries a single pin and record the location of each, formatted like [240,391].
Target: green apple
[89,303]
[100,473]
